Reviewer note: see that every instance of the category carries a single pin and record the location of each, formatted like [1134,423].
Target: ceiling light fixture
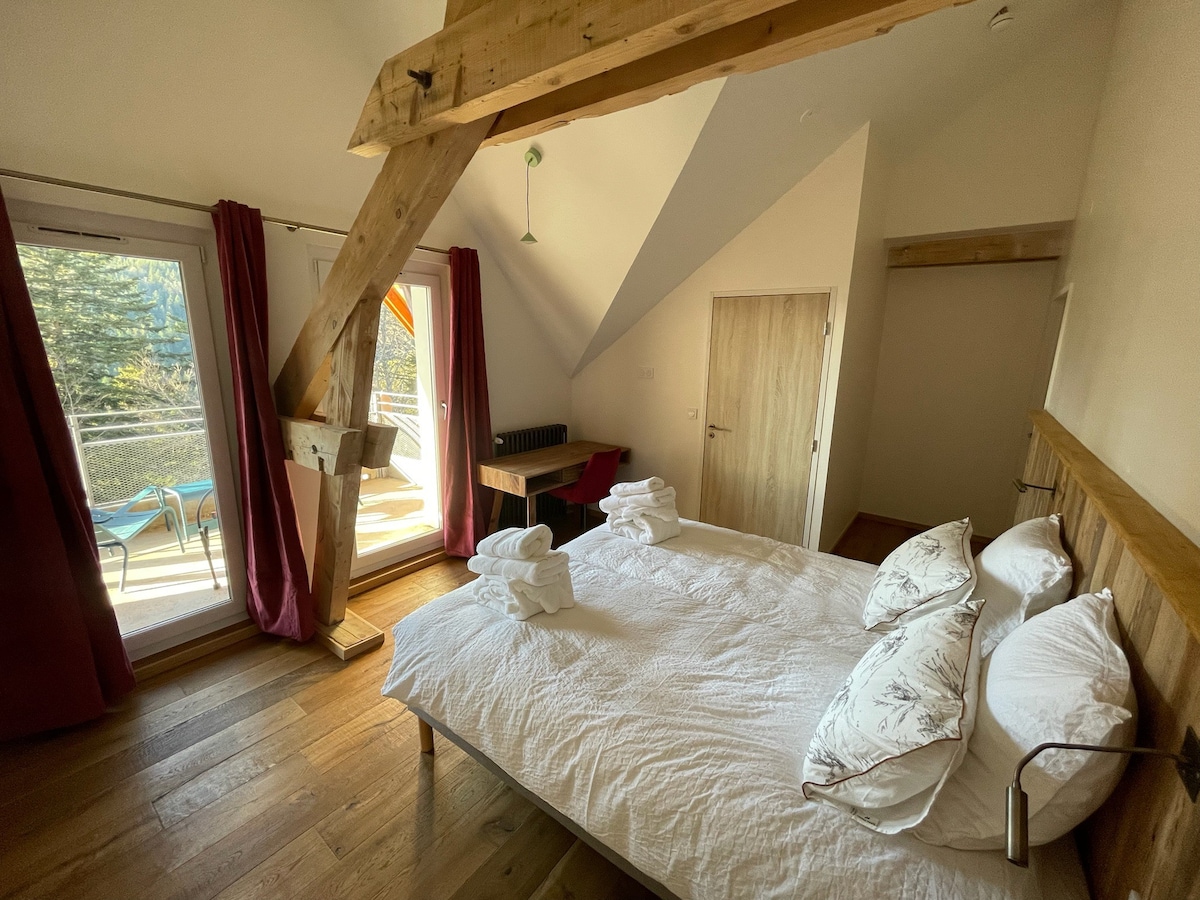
[533,156]
[1002,19]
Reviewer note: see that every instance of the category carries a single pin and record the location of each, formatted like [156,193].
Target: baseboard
[979,541]
[166,660]
[399,570]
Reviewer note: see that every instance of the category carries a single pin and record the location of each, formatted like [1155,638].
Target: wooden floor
[275,770]
[871,538]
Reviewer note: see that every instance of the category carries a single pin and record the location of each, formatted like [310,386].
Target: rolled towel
[662,497]
[531,571]
[517,543]
[519,600]
[645,486]
[645,529]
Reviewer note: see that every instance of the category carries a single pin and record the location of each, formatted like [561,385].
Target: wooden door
[764,381]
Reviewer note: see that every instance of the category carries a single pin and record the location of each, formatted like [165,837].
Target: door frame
[820,458]
[83,233]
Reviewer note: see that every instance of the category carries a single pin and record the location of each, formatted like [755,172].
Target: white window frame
[190,257]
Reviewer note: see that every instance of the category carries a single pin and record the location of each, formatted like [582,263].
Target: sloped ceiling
[593,200]
[707,169]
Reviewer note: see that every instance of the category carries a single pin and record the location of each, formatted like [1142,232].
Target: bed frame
[1146,838]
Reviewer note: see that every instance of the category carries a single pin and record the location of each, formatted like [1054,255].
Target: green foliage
[395,357]
[114,328]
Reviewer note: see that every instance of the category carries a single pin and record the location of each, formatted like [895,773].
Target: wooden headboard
[1147,836]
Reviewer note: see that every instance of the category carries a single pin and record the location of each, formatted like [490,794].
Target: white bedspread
[668,714]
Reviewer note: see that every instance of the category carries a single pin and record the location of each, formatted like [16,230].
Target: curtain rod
[289,224]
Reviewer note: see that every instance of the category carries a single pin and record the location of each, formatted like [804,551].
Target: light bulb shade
[528,238]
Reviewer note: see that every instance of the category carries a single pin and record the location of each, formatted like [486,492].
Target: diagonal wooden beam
[411,187]
[791,32]
[511,51]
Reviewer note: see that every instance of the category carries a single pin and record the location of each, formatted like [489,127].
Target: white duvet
[669,711]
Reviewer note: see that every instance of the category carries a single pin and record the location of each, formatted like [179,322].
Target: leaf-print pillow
[930,571]
[899,726]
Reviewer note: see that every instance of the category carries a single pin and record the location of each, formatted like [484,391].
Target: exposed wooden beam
[797,30]
[511,51]
[347,404]
[409,190]
[377,448]
[1023,246]
[327,448]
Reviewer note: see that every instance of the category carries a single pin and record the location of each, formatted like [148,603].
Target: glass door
[400,505]
[125,326]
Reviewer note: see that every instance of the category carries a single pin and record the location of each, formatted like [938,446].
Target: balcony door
[400,505]
[126,328]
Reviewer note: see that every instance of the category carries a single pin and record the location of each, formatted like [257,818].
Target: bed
[664,719]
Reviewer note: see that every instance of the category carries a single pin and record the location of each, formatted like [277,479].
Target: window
[126,329]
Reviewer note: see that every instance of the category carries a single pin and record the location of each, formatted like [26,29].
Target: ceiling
[255,101]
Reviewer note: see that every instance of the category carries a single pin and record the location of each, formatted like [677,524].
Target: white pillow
[1061,676]
[899,725]
[1023,572]
[930,571]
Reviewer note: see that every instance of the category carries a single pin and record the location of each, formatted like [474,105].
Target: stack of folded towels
[520,575]
[642,511]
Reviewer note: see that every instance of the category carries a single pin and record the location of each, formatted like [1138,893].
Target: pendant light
[533,156]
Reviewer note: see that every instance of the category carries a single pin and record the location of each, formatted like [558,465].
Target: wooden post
[347,403]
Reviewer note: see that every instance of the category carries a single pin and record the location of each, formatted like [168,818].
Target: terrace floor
[163,583]
[391,510]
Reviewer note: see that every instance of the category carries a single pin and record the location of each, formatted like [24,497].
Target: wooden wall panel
[1147,836]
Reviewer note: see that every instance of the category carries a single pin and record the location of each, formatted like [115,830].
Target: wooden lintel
[797,30]
[352,636]
[331,449]
[1020,246]
[510,52]
[411,187]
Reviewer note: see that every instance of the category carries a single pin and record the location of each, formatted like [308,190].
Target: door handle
[718,428]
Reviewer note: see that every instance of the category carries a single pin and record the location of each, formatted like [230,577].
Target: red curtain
[61,657]
[278,595]
[466,505]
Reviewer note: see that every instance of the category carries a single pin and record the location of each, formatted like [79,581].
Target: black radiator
[512,512]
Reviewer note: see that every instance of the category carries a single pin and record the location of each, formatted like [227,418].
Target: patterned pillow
[930,571]
[899,726]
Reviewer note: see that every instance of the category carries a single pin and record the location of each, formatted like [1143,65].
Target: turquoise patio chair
[115,528]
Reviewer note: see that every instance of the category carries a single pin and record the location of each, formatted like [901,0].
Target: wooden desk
[529,474]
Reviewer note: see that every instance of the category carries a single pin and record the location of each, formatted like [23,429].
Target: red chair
[593,484]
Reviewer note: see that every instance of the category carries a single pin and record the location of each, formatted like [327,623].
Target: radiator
[512,512]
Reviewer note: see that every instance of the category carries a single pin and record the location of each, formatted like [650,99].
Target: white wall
[1017,154]
[804,241]
[959,357]
[1127,382]
[860,353]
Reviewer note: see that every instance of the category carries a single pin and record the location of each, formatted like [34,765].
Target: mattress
[667,715]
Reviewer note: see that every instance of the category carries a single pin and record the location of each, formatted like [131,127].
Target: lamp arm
[1016,825]
[1180,759]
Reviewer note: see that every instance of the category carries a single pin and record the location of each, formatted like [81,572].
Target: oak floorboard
[271,769]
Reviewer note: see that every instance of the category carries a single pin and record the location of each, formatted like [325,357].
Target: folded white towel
[666,513]
[645,529]
[517,543]
[532,571]
[645,486]
[662,497]
[520,600]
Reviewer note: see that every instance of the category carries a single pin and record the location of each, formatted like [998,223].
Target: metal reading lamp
[1016,826]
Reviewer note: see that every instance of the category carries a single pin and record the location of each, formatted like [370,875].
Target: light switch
[645,372]
[692,412]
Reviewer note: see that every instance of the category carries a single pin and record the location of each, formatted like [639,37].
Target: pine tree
[106,328]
